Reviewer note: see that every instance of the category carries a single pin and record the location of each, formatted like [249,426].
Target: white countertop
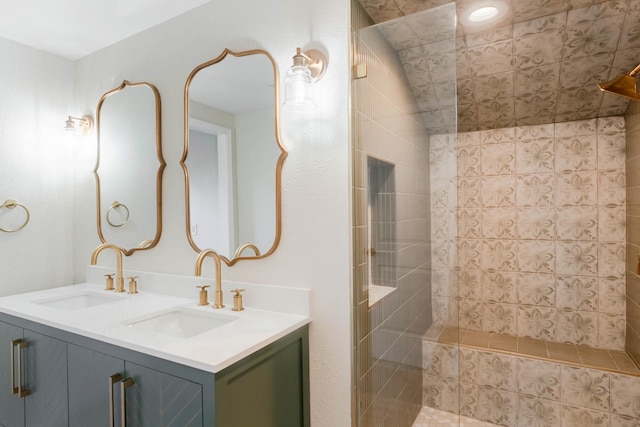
[271,312]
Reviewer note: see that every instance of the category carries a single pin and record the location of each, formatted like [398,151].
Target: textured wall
[540,231]
[35,168]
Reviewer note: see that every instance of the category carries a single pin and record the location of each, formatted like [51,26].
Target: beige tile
[532,347]
[624,362]
[596,357]
[504,342]
[477,339]
[451,335]
[563,352]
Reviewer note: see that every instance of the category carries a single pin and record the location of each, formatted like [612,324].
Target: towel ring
[11,204]
[115,205]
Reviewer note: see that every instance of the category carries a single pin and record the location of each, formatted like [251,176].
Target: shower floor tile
[429,417]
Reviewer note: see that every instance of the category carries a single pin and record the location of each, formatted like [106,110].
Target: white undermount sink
[78,301]
[181,322]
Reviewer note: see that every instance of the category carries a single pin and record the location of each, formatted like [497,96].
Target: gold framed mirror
[233,156]
[129,167]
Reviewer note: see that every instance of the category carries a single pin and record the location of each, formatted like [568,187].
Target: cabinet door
[46,379]
[90,387]
[157,399]
[11,406]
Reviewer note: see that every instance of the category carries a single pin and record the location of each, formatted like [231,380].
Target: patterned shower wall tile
[497,406]
[497,371]
[497,136]
[536,108]
[470,315]
[440,393]
[382,10]
[533,412]
[630,31]
[578,188]
[625,395]
[611,296]
[612,222]
[577,223]
[425,96]
[500,318]
[577,258]
[535,156]
[611,259]
[469,284]
[535,133]
[465,92]
[592,13]
[498,159]
[442,65]
[491,58]
[493,86]
[536,289]
[570,129]
[623,421]
[612,188]
[573,416]
[577,293]
[489,36]
[546,23]
[612,331]
[499,223]
[524,10]
[587,388]
[580,72]
[498,113]
[499,286]
[468,138]
[576,154]
[416,70]
[399,35]
[470,254]
[578,327]
[539,49]
[469,161]
[440,283]
[574,103]
[610,125]
[444,311]
[534,80]
[469,192]
[611,151]
[593,37]
[536,256]
[499,191]
[538,378]
[469,223]
[535,190]
[536,223]
[468,365]
[443,253]
[433,26]
[468,399]
[442,223]
[499,255]
[537,322]
[441,361]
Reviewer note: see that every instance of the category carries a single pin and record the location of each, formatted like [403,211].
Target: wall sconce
[308,67]
[82,125]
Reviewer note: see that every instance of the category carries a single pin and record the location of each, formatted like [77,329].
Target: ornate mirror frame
[149,243]
[278,170]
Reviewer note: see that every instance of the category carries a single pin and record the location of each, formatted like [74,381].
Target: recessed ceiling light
[484,12]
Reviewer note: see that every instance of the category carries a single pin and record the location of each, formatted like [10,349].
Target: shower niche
[381,229]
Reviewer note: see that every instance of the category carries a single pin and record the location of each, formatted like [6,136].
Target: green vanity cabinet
[39,368]
[74,379]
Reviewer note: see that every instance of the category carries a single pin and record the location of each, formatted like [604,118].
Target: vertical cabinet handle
[19,390]
[112,380]
[124,385]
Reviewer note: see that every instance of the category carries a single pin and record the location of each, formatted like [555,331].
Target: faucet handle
[109,285]
[203,295]
[237,300]
[133,285]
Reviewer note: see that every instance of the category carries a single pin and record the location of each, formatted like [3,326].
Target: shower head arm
[635,71]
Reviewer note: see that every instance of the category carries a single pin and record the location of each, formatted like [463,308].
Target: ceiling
[75,28]
[538,64]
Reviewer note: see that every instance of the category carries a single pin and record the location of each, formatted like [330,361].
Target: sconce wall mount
[308,67]
[83,125]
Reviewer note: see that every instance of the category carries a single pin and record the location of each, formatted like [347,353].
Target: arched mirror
[233,156]
[129,167]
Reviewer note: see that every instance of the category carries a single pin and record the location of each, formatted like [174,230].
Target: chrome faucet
[118,251]
[217,301]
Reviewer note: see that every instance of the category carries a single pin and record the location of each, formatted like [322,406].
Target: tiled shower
[516,215]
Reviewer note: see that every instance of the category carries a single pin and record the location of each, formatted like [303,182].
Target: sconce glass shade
[82,125]
[298,87]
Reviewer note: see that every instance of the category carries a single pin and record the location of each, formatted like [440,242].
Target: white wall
[315,248]
[36,90]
